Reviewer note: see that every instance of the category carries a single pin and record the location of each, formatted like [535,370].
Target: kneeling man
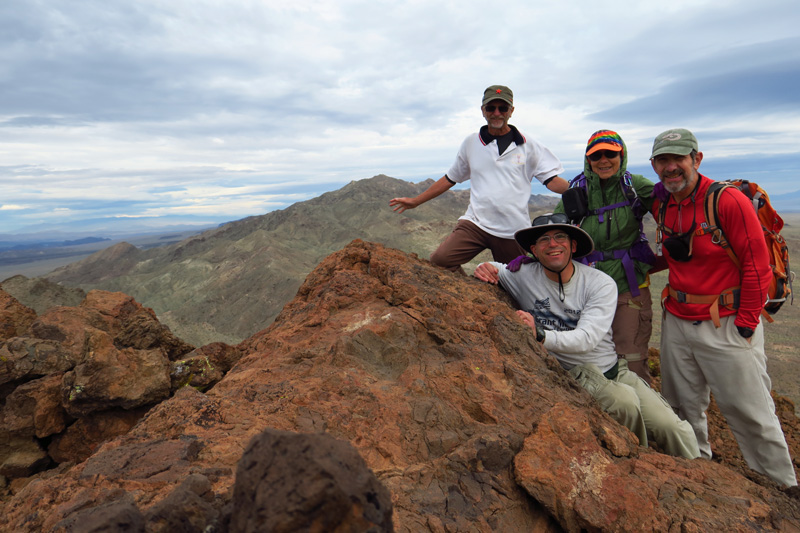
[571,306]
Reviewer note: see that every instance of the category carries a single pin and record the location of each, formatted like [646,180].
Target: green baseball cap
[498,92]
[676,141]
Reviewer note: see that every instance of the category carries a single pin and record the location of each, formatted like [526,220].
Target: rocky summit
[388,395]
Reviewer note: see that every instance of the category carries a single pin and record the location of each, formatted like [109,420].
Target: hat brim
[527,237]
[494,97]
[604,146]
[674,150]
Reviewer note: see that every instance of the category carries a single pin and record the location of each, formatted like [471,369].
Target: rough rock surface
[307,482]
[15,318]
[205,366]
[446,396]
[75,377]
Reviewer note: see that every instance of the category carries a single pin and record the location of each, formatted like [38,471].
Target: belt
[729,298]
[612,372]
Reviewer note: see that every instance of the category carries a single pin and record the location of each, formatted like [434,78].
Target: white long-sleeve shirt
[579,328]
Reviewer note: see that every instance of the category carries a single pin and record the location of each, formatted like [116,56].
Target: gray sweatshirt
[579,328]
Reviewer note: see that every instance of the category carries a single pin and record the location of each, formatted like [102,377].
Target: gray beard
[677,187]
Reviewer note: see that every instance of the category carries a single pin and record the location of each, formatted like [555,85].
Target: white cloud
[129,108]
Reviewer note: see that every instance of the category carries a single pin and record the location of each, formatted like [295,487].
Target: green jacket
[620,229]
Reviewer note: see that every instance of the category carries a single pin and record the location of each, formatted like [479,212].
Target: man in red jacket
[712,338]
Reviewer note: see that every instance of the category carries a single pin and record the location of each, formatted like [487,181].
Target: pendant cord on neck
[561,293]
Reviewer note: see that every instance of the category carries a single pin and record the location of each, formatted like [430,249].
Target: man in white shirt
[500,163]
[571,307]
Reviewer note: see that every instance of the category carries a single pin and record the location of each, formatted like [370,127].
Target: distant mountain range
[110,227]
[36,244]
[786,203]
[229,282]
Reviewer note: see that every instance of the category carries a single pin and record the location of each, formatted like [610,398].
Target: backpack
[780,287]
[575,201]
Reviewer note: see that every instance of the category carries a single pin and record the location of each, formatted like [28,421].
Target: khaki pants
[633,324]
[698,359]
[631,402]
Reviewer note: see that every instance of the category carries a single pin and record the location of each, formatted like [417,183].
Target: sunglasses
[598,155]
[550,218]
[491,108]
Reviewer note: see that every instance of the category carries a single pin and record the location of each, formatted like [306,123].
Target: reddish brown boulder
[566,465]
[31,412]
[111,378]
[25,358]
[80,439]
[20,456]
[188,508]
[15,318]
[111,315]
[78,377]
[114,517]
[205,366]
[34,408]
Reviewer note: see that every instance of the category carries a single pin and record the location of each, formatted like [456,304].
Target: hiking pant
[697,358]
[633,324]
[631,402]
[468,240]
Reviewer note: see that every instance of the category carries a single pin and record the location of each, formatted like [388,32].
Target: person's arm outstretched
[401,204]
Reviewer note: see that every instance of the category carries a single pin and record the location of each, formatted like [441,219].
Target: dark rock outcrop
[443,392]
[306,482]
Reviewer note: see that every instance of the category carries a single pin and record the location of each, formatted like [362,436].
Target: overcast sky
[224,109]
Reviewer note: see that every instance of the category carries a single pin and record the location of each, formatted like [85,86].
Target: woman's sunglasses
[598,155]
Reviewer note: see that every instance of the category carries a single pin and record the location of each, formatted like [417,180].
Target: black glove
[745,332]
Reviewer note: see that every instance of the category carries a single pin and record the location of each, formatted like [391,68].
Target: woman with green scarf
[615,201]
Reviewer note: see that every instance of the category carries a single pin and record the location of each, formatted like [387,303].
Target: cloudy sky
[222,109]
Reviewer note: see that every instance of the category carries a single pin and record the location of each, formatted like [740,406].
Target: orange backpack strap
[729,299]
[712,224]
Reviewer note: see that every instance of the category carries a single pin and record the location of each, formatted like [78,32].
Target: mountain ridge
[228,282]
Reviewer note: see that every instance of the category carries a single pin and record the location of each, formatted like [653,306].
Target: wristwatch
[745,331]
[540,332]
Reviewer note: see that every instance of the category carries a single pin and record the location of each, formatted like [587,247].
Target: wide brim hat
[527,237]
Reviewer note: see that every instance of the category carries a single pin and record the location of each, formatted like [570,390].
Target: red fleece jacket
[710,270]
